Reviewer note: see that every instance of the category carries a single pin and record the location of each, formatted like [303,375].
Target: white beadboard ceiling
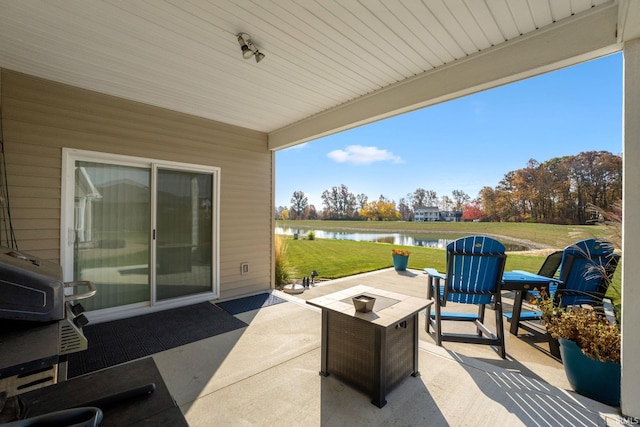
[330,64]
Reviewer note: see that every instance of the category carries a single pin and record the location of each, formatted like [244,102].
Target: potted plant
[590,341]
[589,346]
[400,259]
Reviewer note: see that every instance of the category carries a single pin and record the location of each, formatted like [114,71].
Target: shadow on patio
[268,374]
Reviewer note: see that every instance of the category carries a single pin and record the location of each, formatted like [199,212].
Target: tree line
[562,190]
[338,203]
[558,191]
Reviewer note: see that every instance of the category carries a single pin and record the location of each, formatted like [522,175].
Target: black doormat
[253,302]
[119,341]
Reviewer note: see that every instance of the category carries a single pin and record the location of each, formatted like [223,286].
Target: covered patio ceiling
[330,65]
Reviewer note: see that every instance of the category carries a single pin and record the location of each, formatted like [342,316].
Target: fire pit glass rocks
[363,303]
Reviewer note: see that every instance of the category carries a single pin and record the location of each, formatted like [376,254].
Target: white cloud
[359,155]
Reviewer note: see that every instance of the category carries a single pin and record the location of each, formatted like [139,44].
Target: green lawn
[339,258]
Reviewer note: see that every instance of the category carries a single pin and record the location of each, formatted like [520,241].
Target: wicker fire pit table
[372,351]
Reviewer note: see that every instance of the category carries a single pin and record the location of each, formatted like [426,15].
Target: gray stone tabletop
[389,308]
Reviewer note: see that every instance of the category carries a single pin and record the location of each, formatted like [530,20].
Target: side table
[373,351]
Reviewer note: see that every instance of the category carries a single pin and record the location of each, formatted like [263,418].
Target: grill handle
[80,283]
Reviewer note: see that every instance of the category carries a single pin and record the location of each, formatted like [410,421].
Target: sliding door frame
[67,232]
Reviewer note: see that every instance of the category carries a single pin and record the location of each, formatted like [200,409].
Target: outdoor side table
[521,282]
[372,351]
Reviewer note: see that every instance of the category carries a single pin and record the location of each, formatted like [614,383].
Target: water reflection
[428,241]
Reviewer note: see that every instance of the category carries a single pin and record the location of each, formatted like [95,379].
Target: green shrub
[311,235]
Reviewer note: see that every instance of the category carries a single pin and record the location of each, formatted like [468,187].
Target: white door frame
[67,234]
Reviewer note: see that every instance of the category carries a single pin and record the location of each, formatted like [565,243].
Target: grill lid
[30,289]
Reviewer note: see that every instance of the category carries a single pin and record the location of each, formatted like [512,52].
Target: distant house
[427,213]
[451,216]
[433,213]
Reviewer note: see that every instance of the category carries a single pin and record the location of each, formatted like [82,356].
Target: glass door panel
[112,223]
[183,233]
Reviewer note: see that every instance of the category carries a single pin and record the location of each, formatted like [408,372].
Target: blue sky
[467,143]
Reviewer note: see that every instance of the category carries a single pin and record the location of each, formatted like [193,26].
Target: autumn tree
[523,189]
[507,207]
[561,199]
[556,191]
[299,203]
[339,203]
[404,209]
[445,203]
[380,210]
[409,200]
[431,198]
[284,214]
[278,211]
[419,197]
[460,198]
[310,212]
[488,201]
[596,175]
[472,211]
[361,200]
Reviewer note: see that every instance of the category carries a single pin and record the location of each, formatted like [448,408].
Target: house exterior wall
[427,214]
[40,117]
[451,216]
[430,214]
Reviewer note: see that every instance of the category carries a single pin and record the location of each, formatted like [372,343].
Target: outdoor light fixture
[248,48]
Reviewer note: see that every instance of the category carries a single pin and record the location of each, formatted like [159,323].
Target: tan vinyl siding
[42,117]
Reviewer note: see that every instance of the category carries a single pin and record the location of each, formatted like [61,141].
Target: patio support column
[630,393]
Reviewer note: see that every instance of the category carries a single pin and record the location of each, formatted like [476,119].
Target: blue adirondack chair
[586,269]
[474,271]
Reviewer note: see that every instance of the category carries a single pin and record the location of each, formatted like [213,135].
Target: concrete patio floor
[268,374]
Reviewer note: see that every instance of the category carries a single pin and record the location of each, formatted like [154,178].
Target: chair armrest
[435,273]
[433,282]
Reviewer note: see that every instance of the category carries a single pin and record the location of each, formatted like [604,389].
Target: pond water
[439,240]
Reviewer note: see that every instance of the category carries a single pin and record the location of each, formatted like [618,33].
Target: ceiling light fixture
[248,48]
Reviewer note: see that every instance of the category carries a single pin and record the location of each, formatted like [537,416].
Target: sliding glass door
[143,232]
[112,223]
[183,233]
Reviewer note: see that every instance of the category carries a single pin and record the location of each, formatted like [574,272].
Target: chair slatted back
[549,267]
[474,269]
[586,271]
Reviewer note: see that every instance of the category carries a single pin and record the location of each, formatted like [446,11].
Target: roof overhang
[329,66]
[581,38]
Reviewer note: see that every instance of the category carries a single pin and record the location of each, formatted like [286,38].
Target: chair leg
[480,317]
[554,347]
[427,321]
[438,325]
[500,329]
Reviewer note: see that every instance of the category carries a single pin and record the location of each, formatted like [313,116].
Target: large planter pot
[400,262]
[591,378]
